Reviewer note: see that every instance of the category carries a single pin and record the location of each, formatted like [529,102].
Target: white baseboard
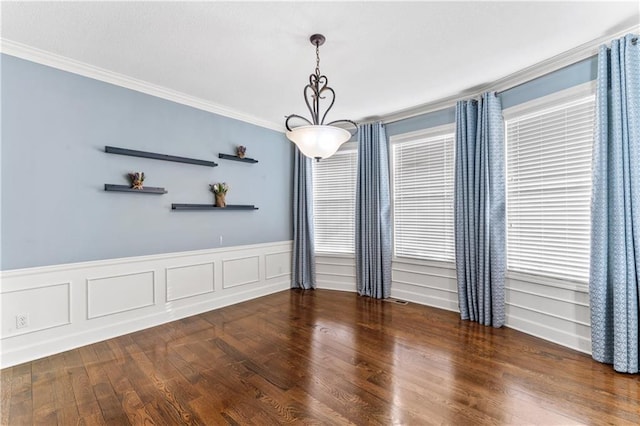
[131,294]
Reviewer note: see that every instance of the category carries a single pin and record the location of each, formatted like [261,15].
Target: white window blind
[334,197]
[549,190]
[423,198]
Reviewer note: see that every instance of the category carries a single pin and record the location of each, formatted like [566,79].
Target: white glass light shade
[318,141]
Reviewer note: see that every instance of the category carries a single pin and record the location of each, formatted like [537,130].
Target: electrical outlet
[22,320]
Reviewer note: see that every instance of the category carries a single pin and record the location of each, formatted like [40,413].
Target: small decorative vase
[220,202]
[136,180]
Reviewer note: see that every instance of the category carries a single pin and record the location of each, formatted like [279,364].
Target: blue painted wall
[572,75]
[424,121]
[55,126]
[54,210]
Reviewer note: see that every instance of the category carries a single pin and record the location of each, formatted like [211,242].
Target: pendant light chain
[317,59]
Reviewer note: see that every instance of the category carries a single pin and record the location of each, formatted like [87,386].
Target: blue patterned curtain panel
[373,213]
[479,210]
[304,262]
[615,209]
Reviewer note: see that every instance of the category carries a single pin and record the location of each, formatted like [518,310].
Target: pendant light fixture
[318,140]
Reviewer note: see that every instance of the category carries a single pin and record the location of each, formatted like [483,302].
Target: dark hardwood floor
[321,357]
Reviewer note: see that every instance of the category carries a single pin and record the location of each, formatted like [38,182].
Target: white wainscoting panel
[77,304]
[427,283]
[278,265]
[241,271]
[551,312]
[46,307]
[120,293]
[336,272]
[190,280]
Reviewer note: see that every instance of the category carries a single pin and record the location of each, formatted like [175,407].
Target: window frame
[428,133]
[554,100]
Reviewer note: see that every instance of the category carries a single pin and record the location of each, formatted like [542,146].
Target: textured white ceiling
[255,57]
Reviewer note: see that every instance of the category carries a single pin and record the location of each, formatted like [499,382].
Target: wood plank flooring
[319,357]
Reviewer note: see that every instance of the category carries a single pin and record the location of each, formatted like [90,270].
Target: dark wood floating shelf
[236,158]
[125,188]
[156,156]
[212,207]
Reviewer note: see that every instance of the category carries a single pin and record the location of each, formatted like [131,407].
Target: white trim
[540,69]
[318,262]
[266,266]
[335,274]
[546,296]
[12,273]
[549,314]
[284,274]
[64,63]
[334,254]
[168,297]
[430,287]
[563,283]
[430,274]
[88,292]
[225,273]
[334,285]
[425,262]
[21,332]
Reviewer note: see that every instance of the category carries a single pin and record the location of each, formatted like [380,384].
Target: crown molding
[64,63]
[518,78]
[540,69]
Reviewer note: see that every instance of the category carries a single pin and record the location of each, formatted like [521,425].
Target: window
[423,178]
[334,198]
[549,189]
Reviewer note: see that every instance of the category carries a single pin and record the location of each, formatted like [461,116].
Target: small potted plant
[136,180]
[219,190]
[241,151]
